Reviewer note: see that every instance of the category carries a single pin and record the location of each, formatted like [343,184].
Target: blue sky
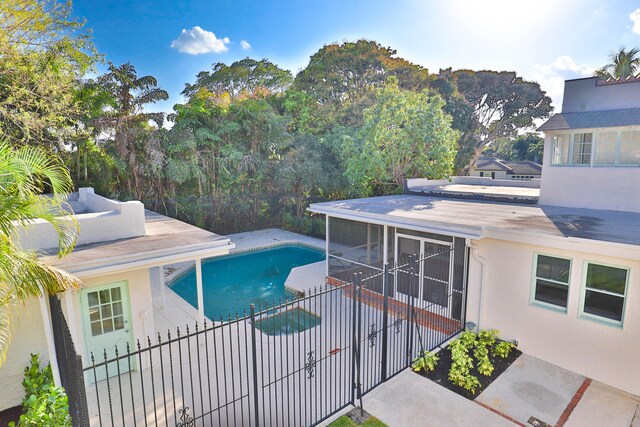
[543,40]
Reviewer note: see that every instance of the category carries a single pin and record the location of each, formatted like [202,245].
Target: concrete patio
[529,387]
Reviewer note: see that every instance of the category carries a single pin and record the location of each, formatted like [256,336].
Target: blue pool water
[234,282]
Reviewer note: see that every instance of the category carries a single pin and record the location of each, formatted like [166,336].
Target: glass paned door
[106,321]
[406,284]
[432,282]
[436,274]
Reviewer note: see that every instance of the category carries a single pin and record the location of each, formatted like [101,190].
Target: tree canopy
[405,135]
[246,75]
[501,104]
[43,52]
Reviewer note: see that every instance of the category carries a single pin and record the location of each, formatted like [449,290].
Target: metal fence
[291,363]
[69,365]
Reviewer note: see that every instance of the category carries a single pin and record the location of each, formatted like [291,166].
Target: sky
[546,41]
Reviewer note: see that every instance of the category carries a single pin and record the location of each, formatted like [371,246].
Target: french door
[431,284]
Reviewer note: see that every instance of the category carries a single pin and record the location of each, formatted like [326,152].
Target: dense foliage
[252,145]
[44,404]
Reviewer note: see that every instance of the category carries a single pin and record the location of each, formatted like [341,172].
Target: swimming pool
[234,282]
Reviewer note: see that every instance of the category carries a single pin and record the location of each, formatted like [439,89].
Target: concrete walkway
[409,400]
[529,387]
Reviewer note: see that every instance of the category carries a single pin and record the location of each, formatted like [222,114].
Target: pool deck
[271,237]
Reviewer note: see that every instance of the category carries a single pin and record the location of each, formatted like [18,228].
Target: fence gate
[288,363]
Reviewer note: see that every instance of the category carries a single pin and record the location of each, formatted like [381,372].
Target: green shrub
[482,345]
[426,361]
[44,404]
[503,349]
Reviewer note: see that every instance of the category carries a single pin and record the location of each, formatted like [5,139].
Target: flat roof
[165,238]
[500,193]
[472,218]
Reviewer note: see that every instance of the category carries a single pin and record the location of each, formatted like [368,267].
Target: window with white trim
[560,149]
[606,149]
[581,149]
[551,280]
[630,148]
[604,292]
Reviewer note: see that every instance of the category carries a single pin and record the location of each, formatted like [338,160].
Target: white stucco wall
[605,353]
[28,337]
[104,221]
[598,187]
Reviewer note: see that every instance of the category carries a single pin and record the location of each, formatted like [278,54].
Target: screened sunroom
[437,277]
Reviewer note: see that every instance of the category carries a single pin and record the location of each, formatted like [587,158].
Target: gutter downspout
[483,277]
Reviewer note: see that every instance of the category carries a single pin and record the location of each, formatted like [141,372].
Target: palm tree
[129,94]
[24,174]
[624,63]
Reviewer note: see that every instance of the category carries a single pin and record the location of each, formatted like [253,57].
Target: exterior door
[432,287]
[106,321]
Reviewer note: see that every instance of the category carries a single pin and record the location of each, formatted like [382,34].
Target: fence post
[411,283]
[254,361]
[385,319]
[355,354]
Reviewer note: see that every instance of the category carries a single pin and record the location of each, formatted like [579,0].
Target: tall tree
[624,63]
[405,135]
[246,75]
[502,104]
[24,173]
[43,52]
[127,120]
[342,78]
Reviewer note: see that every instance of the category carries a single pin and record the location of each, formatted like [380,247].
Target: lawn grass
[345,421]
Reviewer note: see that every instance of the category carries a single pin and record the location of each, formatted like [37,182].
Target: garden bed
[440,374]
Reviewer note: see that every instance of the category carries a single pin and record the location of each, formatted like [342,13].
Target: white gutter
[150,259]
[483,275]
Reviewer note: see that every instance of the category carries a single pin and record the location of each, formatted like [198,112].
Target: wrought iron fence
[293,363]
[69,365]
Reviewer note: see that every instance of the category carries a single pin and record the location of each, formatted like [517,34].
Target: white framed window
[606,152]
[560,149]
[604,292]
[629,148]
[581,148]
[550,284]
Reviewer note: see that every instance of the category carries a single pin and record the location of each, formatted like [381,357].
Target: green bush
[44,404]
[426,361]
[481,345]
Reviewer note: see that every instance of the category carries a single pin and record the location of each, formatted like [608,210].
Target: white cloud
[552,76]
[635,18]
[245,45]
[197,41]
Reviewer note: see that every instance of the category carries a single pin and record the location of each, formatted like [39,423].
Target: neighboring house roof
[592,119]
[525,167]
[477,219]
[166,240]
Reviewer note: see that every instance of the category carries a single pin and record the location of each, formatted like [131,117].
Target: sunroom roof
[476,219]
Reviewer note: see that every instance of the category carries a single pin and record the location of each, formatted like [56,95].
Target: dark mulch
[441,374]
[11,414]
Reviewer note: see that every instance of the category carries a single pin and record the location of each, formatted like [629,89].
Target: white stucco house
[555,268]
[119,248]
